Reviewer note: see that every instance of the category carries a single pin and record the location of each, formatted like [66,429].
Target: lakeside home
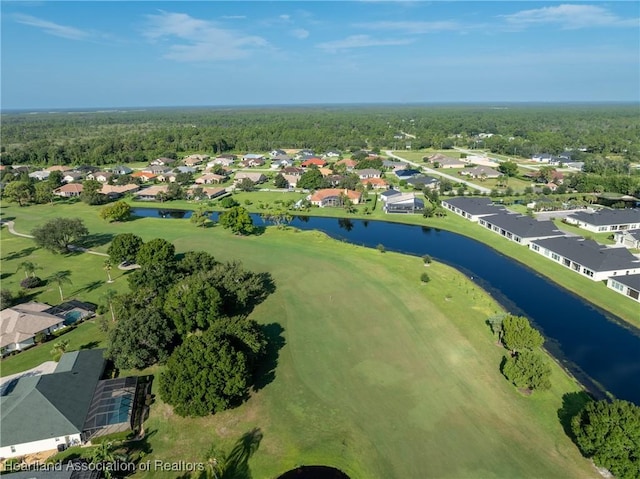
[606,220]
[628,285]
[472,208]
[519,228]
[334,197]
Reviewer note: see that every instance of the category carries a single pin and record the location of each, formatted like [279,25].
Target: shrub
[228,202]
[6,298]
[381,248]
[31,282]
[425,278]
[427,259]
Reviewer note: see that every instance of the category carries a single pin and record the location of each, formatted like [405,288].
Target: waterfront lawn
[602,238]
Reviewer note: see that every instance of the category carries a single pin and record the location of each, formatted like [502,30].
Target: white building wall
[621,288]
[33,447]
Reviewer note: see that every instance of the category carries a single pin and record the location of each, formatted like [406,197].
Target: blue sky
[124,54]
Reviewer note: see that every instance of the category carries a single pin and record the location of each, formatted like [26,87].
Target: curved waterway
[600,350]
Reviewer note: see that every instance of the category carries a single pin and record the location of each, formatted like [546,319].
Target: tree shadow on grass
[5,275]
[20,254]
[95,240]
[90,345]
[89,287]
[266,370]
[236,464]
[572,404]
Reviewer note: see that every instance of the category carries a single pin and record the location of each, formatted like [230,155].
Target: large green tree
[22,192]
[156,253]
[59,233]
[518,335]
[118,211]
[238,220]
[91,193]
[508,168]
[193,303]
[527,369]
[124,247]
[609,433]
[311,179]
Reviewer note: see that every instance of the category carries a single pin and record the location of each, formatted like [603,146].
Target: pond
[600,350]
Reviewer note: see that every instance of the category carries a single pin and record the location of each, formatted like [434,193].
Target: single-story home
[519,228]
[275,153]
[205,191]
[441,161]
[222,160]
[20,324]
[167,177]
[151,193]
[319,162]
[403,203]
[606,220]
[157,170]
[424,182]
[332,154]
[292,180]
[304,154]
[394,165]
[325,171]
[471,208]
[121,170]
[628,285]
[542,157]
[255,177]
[253,156]
[193,160]
[292,170]
[59,168]
[628,238]
[586,257]
[376,183]
[406,173]
[281,161]
[40,175]
[66,408]
[184,169]
[162,162]
[69,190]
[115,191]
[385,195]
[481,172]
[101,176]
[251,162]
[144,175]
[210,178]
[348,162]
[334,197]
[71,176]
[368,173]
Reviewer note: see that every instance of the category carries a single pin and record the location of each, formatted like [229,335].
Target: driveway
[45,368]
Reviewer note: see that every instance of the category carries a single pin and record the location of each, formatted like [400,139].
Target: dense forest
[122,136]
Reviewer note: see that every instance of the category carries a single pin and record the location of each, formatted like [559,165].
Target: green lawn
[379,375]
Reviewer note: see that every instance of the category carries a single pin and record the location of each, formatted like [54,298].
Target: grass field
[379,375]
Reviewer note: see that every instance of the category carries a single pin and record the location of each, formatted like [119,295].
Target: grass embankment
[595,292]
[379,375]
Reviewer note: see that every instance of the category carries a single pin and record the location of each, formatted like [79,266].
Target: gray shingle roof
[474,206]
[609,217]
[51,405]
[630,280]
[524,226]
[590,254]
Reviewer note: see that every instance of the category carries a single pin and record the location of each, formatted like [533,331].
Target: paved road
[455,179]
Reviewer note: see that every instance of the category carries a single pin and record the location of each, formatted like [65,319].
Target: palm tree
[29,268]
[107,267]
[105,452]
[109,295]
[61,277]
[59,348]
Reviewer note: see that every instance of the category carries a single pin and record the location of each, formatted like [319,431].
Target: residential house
[144,175]
[199,192]
[606,220]
[253,156]
[59,168]
[222,160]
[313,161]
[406,173]
[292,180]
[368,173]
[376,183]
[332,154]
[101,176]
[71,176]
[40,175]
[152,193]
[20,324]
[255,177]
[385,195]
[334,180]
[210,178]
[304,154]
[348,162]
[628,285]
[325,171]
[193,160]
[281,161]
[162,162]
[292,170]
[184,169]
[394,165]
[471,208]
[169,177]
[66,408]
[586,257]
[251,162]
[628,238]
[556,177]
[121,170]
[441,161]
[519,228]
[334,197]
[274,154]
[422,182]
[69,190]
[542,157]
[481,172]
[157,170]
[116,191]
[403,203]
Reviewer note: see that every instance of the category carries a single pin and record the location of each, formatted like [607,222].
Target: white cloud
[52,28]
[360,41]
[300,33]
[198,40]
[234,17]
[286,18]
[569,17]
[413,27]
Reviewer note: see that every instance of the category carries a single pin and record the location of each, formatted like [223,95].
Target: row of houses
[617,265]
